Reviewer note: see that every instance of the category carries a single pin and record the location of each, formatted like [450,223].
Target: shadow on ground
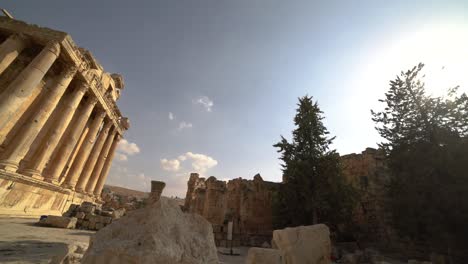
[29,251]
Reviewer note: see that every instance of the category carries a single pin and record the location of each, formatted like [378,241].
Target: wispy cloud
[204,101]
[171,116]
[125,149]
[121,157]
[170,164]
[184,125]
[198,162]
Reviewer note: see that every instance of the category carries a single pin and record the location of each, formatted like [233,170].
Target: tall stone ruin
[247,203]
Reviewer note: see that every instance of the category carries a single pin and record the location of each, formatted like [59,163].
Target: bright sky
[212,84]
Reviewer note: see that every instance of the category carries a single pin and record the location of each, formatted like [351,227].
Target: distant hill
[127,192]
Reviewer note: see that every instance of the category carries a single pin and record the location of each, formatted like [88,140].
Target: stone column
[97,189]
[23,86]
[21,143]
[51,140]
[75,129]
[84,151]
[93,157]
[10,49]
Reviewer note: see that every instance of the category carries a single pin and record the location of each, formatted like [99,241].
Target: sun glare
[443,48]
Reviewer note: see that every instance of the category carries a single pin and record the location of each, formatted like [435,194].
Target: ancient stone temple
[59,123]
[247,203]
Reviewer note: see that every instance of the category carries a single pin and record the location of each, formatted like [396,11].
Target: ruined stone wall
[367,172]
[245,202]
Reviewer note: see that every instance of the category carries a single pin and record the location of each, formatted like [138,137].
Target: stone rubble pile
[85,216]
[113,200]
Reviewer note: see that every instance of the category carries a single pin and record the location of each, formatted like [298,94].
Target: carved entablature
[89,58]
[41,35]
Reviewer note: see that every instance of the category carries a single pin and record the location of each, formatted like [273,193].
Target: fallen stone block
[106,213]
[80,215]
[59,221]
[263,256]
[85,224]
[304,244]
[87,207]
[99,226]
[116,214]
[106,219]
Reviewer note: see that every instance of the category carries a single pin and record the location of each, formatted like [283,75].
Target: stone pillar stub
[93,157]
[18,92]
[21,143]
[84,151]
[75,129]
[157,188]
[105,171]
[10,49]
[52,139]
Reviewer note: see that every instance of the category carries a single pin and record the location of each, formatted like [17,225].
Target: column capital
[70,70]
[91,99]
[100,112]
[53,47]
[83,87]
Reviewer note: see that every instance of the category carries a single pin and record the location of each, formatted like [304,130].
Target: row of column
[78,116]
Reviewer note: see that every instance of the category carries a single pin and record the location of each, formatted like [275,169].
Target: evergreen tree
[313,188]
[426,142]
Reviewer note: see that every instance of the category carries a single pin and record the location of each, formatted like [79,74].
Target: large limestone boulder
[159,233]
[304,244]
[263,256]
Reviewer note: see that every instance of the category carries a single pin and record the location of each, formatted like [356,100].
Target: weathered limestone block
[263,256]
[80,215]
[59,221]
[159,233]
[87,207]
[304,244]
[106,219]
[107,213]
[72,254]
[99,226]
[116,214]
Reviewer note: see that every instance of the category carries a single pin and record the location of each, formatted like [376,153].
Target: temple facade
[59,122]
